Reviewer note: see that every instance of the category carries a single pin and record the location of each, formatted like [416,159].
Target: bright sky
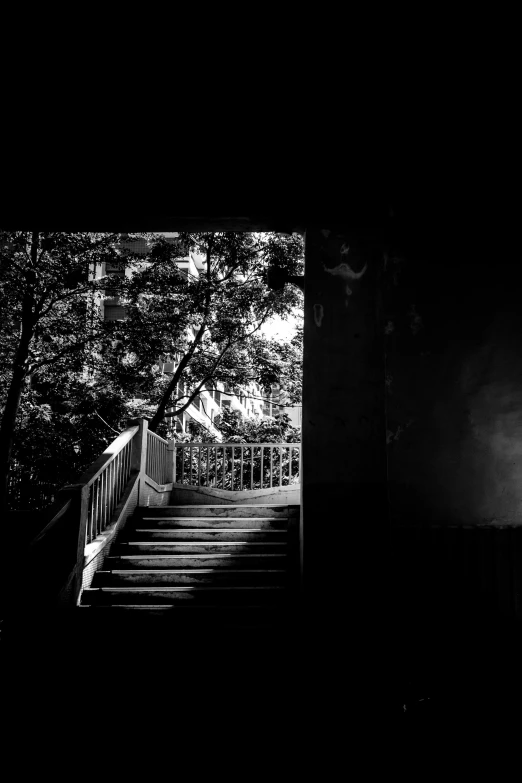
[283,329]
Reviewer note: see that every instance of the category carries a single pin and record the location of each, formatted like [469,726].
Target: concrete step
[205,595]
[195,547]
[121,577]
[218,511]
[222,561]
[251,535]
[209,522]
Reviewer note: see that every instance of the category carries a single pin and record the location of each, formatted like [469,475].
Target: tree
[48,315]
[211,321]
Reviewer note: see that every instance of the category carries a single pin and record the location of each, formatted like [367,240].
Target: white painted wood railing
[236,466]
[84,517]
[103,484]
[157,465]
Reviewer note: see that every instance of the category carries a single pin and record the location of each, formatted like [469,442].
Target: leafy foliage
[70,381]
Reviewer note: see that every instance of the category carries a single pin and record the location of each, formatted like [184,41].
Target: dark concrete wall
[454,389]
[343,431]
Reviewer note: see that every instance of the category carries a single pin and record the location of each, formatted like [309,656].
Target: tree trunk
[11,411]
[14,394]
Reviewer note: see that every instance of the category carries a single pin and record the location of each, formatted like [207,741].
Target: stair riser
[102,579]
[190,548]
[210,597]
[208,561]
[207,523]
[277,512]
[275,536]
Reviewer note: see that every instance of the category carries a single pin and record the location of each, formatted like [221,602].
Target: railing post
[139,455]
[171,462]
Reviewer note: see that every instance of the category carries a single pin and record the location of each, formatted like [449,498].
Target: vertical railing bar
[98,502]
[262,479]
[88,532]
[182,463]
[190,464]
[91,518]
[111,492]
[102,501]
[200,447]
[208,466]
[242,458]
[281,466]
[106,500]
[94,516]
[271,463]
[118,460]
[232,479]
[252,469]
[109,495]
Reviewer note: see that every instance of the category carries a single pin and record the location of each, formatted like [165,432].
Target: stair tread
[203,543]
[199,554]
[205,519]
[225,505]
[243,530]
[194,571]
[178,588]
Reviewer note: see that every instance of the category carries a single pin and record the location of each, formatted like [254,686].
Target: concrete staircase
[218,564]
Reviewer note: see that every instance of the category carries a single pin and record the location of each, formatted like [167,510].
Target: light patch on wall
[325,232]
[345,272]
[389,328]
[318,314]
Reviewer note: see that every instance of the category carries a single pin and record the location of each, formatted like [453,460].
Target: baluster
[99,521]
[118,460]
[105,501]
[252,469]
[91,513]
[190,463]
[109,493]
[88,531]
[241,478]
[199,464]
[271,464]
[124,466]
[127,463]
[262,479]
[208,466]
[98,504]
[182,463]
[281,466]
[232,480]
